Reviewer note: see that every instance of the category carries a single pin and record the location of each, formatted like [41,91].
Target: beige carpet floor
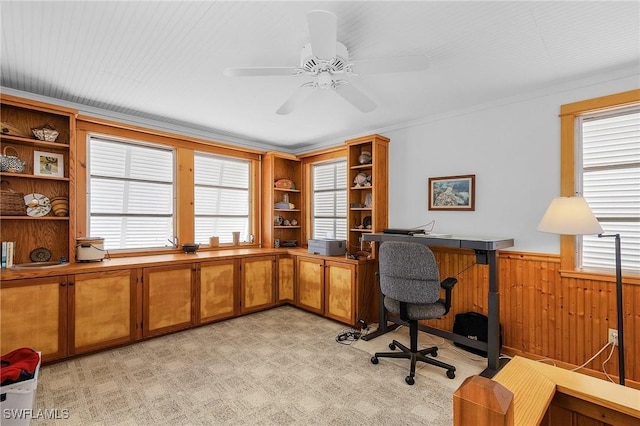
[278,367]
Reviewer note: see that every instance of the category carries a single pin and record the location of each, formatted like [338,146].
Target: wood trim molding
[568,115]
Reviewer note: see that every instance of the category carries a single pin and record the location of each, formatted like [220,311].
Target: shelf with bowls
[37,141]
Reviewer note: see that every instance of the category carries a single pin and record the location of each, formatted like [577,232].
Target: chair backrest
[409,272]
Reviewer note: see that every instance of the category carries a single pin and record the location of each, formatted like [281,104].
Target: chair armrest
[448,284]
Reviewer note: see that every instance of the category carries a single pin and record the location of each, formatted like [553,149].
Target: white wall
[513,149]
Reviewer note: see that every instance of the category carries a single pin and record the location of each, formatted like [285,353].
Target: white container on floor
[18,407]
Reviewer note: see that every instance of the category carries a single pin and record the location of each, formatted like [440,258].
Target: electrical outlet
[613,336]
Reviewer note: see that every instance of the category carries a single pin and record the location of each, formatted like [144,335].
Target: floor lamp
[572,216]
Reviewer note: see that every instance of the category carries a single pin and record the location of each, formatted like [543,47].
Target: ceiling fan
[326,59]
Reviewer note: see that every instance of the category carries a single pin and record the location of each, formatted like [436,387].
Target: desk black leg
[493,338]
[383,327]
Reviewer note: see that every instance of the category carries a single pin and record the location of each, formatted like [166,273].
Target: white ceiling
[164,60]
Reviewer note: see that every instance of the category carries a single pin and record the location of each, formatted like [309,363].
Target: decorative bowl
[190,247]
[46,133]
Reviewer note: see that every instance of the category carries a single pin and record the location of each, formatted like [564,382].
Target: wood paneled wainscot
[216,281]
[168,292]
[33,313]
[257,287]
[102,310]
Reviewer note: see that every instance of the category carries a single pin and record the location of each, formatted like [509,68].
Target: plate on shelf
[40,254]
[37,204]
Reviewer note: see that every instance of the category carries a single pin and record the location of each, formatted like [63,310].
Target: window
[222,197]
[330,200]
[130,194]
[609,173]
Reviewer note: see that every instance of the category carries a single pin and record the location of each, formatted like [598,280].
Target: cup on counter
[236,238]
[214,241]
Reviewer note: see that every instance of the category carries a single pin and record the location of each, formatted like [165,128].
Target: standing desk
[486,250]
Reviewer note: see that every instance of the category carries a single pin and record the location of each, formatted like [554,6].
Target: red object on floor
[18,365]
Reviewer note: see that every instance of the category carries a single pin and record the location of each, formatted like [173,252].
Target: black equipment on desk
[401,231]
[474,326]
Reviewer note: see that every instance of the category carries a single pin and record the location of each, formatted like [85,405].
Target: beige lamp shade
[569,216]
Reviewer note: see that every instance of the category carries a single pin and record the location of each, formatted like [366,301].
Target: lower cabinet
[311,284]
[216,290]
[257,290]
[102,310]
[344,291]
[340,291]
[286,279]
[33,314]
[167,304]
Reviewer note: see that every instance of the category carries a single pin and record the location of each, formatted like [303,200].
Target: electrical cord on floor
[348,336]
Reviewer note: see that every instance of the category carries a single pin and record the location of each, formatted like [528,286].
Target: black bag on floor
[474,326]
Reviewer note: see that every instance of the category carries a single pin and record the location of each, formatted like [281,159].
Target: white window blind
[610,176]
[131,194]
[221,197]
[330,200]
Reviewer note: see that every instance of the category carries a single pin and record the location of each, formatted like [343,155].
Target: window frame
[569,120]
[185,147]
[312,216]
[140,143]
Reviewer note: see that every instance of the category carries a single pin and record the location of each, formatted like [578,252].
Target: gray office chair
[410,283]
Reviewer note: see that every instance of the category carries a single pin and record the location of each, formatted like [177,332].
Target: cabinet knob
[63,284]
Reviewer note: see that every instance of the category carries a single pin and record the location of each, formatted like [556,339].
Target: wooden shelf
[361,209]
[286,190]
[34,218]
[362,167]
[30,176]
[362,187]
[287,227]
[286,210]
[32,142]
[360,230]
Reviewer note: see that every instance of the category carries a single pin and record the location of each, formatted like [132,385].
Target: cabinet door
[340,285]
[167,302]
[33,314]
[217,298]
[286,279]
[101,310]
[311,284]
[257,289]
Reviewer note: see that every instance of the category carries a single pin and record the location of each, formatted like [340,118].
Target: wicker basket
[11,202]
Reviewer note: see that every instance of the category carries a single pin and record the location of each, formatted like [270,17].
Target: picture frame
[48,164]
[452,193]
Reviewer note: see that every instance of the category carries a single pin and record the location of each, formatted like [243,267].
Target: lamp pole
[619,305]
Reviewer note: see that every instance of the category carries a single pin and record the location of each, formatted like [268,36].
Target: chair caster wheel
[410,380]
[374,360]
[451,374]
[392,346]
[434,353]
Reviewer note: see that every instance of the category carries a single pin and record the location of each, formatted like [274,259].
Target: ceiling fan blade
[323,29]
[260,72]
[391,65]
[356,98]
[294,100]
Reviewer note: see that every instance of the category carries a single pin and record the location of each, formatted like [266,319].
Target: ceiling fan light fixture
[325,81]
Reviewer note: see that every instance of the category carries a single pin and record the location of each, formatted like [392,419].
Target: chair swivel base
[414,356]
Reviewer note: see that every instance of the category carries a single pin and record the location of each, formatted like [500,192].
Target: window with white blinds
[610,177]
[130,194]
[222,197]
[330,200]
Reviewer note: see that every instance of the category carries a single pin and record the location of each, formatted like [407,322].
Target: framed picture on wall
[48,164]
[452,193]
